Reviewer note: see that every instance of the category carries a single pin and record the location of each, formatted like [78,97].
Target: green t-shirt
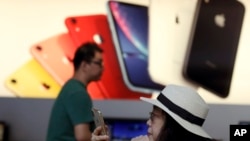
[72,106]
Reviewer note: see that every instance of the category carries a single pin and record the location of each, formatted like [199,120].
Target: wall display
[142,52]
[213,44]
[129,25]
[31,80]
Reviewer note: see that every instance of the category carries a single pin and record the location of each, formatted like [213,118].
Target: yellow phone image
[32,81]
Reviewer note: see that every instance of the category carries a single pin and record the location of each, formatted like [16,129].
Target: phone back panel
[168,38]
[81,29]
[99,120]
[50,55]
[88,28]
[31,80]
[214,43]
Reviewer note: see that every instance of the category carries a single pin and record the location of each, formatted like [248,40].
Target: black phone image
[129,26]
[213,44]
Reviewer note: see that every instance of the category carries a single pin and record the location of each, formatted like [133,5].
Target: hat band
[180,111]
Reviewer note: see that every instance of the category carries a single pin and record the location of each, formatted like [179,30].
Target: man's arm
[82,132]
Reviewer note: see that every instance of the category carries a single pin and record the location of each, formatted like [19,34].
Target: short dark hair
[85,52]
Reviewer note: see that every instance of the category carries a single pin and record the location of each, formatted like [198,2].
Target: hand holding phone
[99,121]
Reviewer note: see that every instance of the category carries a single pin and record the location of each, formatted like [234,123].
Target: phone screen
[130,25]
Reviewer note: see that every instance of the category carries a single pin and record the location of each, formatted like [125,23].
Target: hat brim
[193,128]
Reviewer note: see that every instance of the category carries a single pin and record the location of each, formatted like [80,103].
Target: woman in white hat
[178,115]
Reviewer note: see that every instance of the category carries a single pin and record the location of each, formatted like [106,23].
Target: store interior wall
[27,119]
[28,23]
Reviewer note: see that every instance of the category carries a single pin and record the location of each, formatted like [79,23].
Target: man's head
[88,61]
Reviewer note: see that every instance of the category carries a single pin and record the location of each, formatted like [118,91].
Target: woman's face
[155,123]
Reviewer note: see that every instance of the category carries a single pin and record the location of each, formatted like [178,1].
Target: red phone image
[81,29]
[96,28]
[51,55]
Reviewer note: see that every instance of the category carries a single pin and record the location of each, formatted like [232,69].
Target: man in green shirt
[71,116]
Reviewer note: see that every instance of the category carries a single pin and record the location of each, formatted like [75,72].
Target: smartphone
[95,28]
[49,53]
[31,80]
[99,121]
[213,45]
[168,38]
[129,26]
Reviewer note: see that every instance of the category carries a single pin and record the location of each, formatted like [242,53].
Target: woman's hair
[173,131]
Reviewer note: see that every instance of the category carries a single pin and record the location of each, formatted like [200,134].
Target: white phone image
[170,25]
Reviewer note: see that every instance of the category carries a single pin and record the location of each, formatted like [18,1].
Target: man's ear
[83,65]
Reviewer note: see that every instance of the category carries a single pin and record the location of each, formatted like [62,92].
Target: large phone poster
[38,40]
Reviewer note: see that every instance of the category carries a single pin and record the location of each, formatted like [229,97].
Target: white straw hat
[184,105]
